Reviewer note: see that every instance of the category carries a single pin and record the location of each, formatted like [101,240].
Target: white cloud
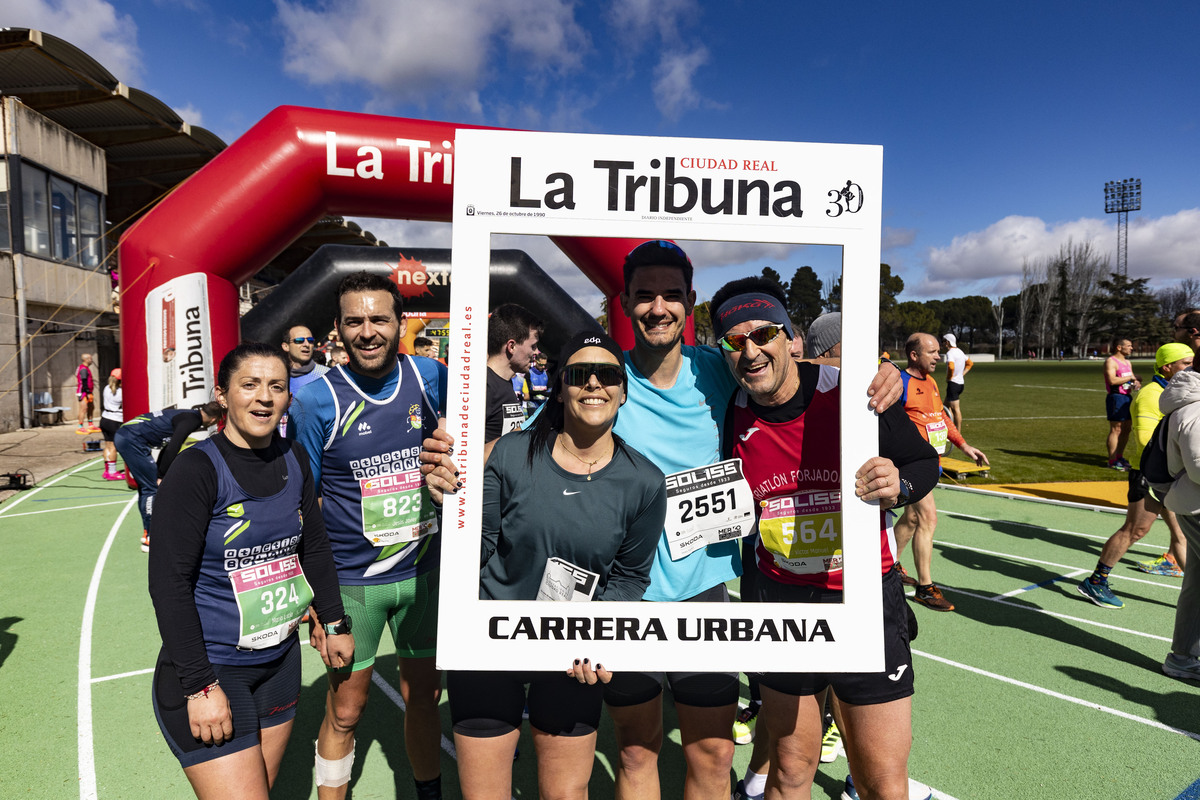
[190,114]
[637,23]
[405,50]
[674,90]
[93,26]
[988,262]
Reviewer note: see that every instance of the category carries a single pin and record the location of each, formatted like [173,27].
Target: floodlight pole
[1121,197]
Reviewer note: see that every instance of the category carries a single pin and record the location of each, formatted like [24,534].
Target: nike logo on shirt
[568,494]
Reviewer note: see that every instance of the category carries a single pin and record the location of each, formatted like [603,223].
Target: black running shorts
[896,680]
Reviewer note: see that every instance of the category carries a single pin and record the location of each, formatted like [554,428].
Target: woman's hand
[437,466]
[209,716]
[316,633]
[878,480]
[582,671]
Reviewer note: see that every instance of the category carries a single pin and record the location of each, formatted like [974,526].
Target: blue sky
[1000,122]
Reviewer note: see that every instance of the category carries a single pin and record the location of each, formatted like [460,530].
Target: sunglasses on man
[736,342]
[303,339]
[577,374]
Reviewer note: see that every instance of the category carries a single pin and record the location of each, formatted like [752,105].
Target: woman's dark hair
[550,421]
[234,358]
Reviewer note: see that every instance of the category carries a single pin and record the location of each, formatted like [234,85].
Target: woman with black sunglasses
[570,512]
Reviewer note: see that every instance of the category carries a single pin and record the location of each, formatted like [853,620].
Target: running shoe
[145,542]
[1118,464]
[114,476]
[1184,667]
[932,598]
[1124,463]
[916,790]
[743,726]
[1100,594]
[1163,565]
[82,431]
[831,744]
[92,429]
[904,576]
[739,793]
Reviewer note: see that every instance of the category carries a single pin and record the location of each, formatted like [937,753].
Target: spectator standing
[300,345]
[513,334]
[539,382]
[957,367]
[423,346]
[85,393]
[1120,383]
[111,417]
[1143,509]
[918,522]
[1181,399]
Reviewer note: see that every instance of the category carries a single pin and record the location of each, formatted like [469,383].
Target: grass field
[1039,421]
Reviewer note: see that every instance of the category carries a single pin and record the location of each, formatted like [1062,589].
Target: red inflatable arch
[181,264]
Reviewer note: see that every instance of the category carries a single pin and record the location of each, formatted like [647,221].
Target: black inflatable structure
[307,296]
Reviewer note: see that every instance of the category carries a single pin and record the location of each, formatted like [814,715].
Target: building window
[35,199]
[5,234]
[89,229]
[64,222]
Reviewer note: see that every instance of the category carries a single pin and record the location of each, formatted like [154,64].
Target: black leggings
[487,704]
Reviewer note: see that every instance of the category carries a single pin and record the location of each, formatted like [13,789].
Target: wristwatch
[905,493]
[338,628]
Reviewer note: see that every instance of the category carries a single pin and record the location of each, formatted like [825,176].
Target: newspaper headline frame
[554,184]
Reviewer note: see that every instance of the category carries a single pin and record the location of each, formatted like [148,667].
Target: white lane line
[21,498]
[1059,388]
[87,757]
[133,674]
[1009,419]
[1042,690]
[395,697]
[1066,567]
[68,508]
[1077,573]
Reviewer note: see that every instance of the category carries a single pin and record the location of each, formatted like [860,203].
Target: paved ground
[43,452]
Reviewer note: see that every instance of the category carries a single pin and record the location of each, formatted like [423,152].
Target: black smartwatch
[339,628]
[905,493]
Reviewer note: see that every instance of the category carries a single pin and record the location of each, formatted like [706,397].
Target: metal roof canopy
[149,149]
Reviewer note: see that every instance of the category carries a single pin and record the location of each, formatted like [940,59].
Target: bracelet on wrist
[203,692]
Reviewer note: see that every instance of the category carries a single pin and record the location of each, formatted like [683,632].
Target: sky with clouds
[1000,123]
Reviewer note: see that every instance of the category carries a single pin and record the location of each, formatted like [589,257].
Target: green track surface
[985,722]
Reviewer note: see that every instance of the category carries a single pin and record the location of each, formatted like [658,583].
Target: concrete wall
[38,139]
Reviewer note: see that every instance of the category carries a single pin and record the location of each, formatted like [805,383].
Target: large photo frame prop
[629,187]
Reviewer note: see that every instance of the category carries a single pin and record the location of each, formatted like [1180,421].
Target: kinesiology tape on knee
[335,772]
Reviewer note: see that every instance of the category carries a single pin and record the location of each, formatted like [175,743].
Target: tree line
[1069,304]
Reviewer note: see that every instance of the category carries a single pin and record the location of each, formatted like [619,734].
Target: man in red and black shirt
[784,425]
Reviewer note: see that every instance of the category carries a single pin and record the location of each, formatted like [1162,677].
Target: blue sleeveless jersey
[244,532]
[354,434]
